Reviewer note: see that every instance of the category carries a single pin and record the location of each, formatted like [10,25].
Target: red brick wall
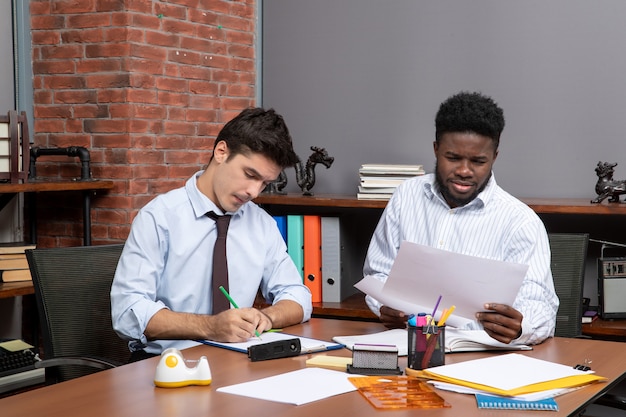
[145,85]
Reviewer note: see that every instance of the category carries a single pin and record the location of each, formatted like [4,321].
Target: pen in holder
[426,346]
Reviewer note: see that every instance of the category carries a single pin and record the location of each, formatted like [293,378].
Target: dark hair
[256,130]
[470,112]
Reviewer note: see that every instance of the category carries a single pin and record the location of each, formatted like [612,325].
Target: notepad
[336,363]
[494,402]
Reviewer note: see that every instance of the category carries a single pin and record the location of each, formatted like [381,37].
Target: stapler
[173,372]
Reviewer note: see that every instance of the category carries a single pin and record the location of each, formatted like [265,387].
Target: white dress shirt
[495,225]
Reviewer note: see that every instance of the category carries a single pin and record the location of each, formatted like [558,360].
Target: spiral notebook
[494,402]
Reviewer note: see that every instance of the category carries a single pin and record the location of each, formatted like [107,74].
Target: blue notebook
[494,402]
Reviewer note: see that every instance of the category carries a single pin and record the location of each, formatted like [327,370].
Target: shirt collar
[431,191]
[200,203]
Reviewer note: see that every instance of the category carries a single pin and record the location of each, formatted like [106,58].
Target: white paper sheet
[420,274]
[534,396]
[297,387]
[397,337]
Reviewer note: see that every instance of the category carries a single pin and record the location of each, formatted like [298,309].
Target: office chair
[72,291]
[569,254]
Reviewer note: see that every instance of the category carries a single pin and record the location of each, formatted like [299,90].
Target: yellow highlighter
[445,315]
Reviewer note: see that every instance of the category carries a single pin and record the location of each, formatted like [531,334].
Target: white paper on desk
[297,387]
[534,396]
[420,274]
[506,372]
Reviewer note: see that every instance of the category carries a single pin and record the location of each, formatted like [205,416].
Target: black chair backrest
[569,254]
[72,289]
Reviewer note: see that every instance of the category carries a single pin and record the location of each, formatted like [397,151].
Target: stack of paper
[510,375]
[379,181]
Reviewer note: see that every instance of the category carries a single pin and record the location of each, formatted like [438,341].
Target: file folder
[295,241]
[313,256]
[340,267]
[281,222]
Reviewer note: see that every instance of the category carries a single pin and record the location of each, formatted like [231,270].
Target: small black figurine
[305,176]
[606,185]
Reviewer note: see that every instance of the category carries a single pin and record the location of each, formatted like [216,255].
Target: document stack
[379,181]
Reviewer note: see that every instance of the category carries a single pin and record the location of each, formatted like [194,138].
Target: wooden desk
[129,390]
[606,329]
[353,307]
[8,191]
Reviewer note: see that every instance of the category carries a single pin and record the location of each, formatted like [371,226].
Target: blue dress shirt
[167,259]
[495,225]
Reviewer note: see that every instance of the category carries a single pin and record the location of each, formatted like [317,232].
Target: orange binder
[313,256]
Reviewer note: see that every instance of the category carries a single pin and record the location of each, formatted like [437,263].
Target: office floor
[601,411]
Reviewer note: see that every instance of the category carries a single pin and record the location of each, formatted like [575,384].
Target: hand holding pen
[234,304]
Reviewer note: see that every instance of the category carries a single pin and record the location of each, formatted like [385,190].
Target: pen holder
[426,347]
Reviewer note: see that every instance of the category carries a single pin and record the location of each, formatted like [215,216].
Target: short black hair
[256,130]
[470,112]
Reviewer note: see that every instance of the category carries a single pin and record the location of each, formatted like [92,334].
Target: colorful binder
[341,266]
[313,256]
[295,240]
[281,222]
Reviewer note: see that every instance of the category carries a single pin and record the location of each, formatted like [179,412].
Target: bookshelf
[363,215]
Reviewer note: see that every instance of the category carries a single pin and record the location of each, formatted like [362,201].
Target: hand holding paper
[421,273]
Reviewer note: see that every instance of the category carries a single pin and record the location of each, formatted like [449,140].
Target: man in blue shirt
[460,208]
[161,295]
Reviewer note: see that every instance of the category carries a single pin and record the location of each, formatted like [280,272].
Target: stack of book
[13,262]
[379,181]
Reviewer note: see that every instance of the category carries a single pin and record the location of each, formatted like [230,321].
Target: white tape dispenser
[173,372]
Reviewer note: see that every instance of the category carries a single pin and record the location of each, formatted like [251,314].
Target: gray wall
[364,79]
[7,81]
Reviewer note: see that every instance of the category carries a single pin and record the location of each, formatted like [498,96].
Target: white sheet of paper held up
[420,274]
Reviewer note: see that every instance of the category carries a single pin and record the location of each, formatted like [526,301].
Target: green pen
[223,290]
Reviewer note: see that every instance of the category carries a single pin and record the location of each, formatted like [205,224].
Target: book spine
[295,241]
[331,260]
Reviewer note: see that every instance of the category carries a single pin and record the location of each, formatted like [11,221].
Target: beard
[449,197]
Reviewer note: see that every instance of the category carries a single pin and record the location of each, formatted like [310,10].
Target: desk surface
[129,390]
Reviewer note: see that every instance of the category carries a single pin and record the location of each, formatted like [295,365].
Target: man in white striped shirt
[460,208]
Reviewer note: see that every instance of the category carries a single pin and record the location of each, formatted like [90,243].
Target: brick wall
[145,85]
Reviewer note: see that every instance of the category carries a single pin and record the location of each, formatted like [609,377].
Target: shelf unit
[369,212]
